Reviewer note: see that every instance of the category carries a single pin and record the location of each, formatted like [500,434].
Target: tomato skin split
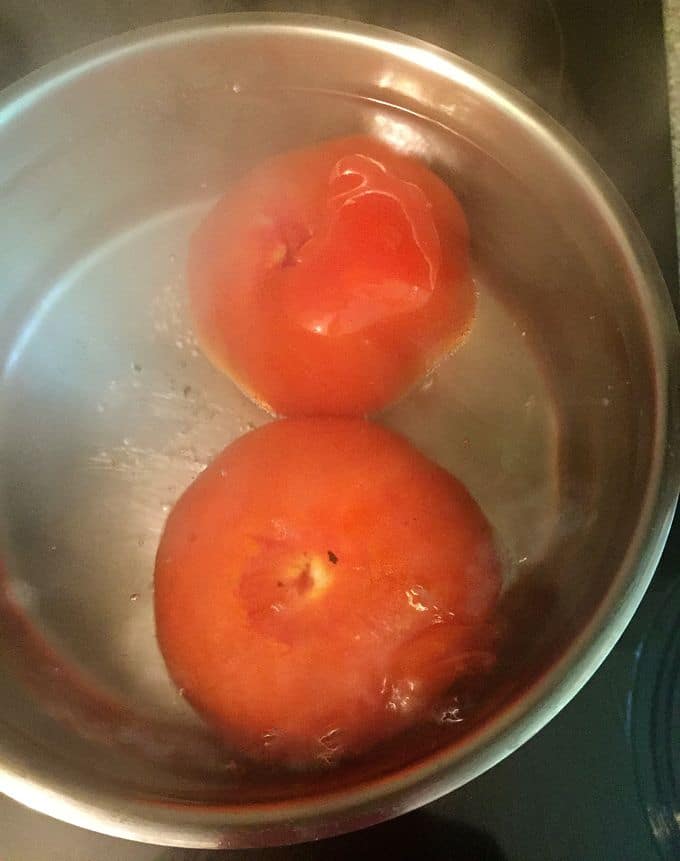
[329,280]
[319,586]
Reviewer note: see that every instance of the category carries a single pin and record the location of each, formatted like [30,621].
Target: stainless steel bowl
[558,412]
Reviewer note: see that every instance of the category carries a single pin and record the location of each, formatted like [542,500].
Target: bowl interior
[548,412]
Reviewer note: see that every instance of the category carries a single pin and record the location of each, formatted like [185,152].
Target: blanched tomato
[330,279]
[319,586]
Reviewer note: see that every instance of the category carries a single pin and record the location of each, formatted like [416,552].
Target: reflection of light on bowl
[464,100]
[400,136]
[400,83]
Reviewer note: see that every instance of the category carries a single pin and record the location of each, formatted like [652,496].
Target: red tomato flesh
[329,280]
[319,586]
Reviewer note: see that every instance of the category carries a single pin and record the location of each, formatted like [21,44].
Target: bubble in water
[53,547]
[134,596]
[236,88]
[331,741]
[326,758]
[165,507]
[451,713]
[417,598]
[605,402]
[269,738]
[401,696]
[331,747]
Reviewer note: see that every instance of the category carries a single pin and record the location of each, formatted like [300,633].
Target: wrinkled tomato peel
[329,280]
[319,585]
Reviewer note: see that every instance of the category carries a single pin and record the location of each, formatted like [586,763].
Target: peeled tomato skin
[329,280]
[319,586]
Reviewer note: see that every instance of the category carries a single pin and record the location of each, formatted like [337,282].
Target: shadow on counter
[415,835]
